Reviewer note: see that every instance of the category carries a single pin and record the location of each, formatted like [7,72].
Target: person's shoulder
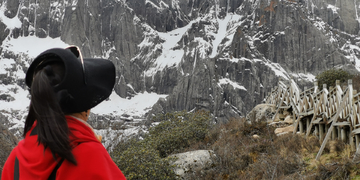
[87,155]
[93,162]
[89,147]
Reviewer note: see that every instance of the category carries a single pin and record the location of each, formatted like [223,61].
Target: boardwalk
[327,113]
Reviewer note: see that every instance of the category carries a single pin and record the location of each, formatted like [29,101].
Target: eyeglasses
[76,51]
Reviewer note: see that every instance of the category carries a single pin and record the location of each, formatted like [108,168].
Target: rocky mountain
[219,55]
[8,141]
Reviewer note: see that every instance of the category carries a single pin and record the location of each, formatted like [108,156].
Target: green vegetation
[239,154]
[330,76]
[139,160]
[147,158]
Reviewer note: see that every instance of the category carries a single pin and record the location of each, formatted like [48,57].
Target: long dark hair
[52,128]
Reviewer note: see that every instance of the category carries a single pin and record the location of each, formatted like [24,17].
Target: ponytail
[52,128]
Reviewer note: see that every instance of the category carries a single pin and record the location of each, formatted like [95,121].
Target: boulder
[255,136]
[261,112]
[288,120]
[191,161]
[284,130]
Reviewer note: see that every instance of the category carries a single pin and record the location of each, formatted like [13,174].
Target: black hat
[85,83]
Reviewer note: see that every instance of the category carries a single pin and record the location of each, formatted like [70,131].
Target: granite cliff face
[220,55]
[7,141]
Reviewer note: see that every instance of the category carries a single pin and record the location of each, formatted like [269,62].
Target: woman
[58,143]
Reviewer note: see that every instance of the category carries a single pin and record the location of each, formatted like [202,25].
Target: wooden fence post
[343,135]
[307,123]
[334,134]
[317,106]
[321,132]
[301,127]
[334,119]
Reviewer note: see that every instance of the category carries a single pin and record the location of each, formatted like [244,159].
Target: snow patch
[352,55]
[226,30]
[320,25]
[162,5]
[235,85]
[279,71]
[74,3]
[20,101]
[170,56]
[333,8]
[6,64]
[202,47]
[31,45]
[10,23]
[136,106]
[307,77]
[221,33]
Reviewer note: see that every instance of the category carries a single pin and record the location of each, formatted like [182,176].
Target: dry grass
[241,156]
[356,82]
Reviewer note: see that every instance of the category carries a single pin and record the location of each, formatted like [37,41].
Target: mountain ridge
[218,55]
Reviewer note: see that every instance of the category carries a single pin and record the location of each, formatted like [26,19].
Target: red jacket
[93,161]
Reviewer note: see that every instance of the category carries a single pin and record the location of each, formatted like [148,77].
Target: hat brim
[80,89]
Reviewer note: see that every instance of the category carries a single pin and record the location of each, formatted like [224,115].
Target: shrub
[147,158]
[330,76]
[340,170]
[140,161]
[178,130]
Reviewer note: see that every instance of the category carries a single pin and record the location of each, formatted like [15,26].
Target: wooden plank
[297,124]
[306,113]
[294,106]
[356,131]
[334,119]
[315,113]
[321,131]
[311,110]
[301,127]
[317,121]
[307,123]
[351,139]
[342,123]
[357,141]
[284,107]
[277,110]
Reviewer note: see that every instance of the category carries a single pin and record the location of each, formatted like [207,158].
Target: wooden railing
[332,113]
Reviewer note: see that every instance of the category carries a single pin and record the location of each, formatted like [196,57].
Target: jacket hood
[35,161]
